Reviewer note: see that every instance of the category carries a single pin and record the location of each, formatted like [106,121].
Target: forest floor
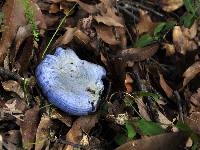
[150,51]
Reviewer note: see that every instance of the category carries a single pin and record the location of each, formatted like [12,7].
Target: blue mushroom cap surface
[71,84]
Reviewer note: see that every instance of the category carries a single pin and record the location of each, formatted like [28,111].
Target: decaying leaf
[138,54]
[66,38]
[145,24]
[13,86]
[128,83]
[12,140]
[170,5]
[63,117]
[43,133]
[172,141]
[170,49]
[80,126]
[191,72]
[193,121]
[183,38]
[14,18]
[29,127]
[195,98]
[166,88]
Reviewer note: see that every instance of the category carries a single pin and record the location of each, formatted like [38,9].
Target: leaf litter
[151,98]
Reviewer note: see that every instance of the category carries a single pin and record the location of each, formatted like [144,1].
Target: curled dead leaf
[82,125]
[29,127]
[13,19]
[193,121]
[43,131]
[166,88]
[138,54]
[183,38]
[145,24]
[170,5]
[172,141]
[190,73]
[13,86]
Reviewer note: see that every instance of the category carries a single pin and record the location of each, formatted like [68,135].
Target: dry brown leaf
[66,38]
[82,37]
[166,88]
[43,132]
[170,49]
[63,117]
[54,8]
[193,121]
[170,5]
[13,19]
[13,86]
[138,54]
[195,98]
[167,141]
[190,73]
[145,24]
[11,140]
[82,125]
[22,33]
[29,127]
[183,38]
[50,20]
[107,20]
[107,35]
[128,83]
[86,7]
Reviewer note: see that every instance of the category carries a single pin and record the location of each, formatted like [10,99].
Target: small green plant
[190,16]
[159,34]
[30,16]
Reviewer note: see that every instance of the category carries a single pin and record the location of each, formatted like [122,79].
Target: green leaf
[187,20]
[154,96]
[163,28]
[120,139]
[130,130]
[189,6]
[195,140]
[183,127]
[150,128]
[144,40]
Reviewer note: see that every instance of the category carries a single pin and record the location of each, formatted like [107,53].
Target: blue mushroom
[71,84]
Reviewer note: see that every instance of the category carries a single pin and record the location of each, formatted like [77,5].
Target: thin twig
[10,75]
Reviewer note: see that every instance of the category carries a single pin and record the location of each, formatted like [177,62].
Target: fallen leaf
[166,88]
[107,21]
[195,98]
[63,117]
[66,38]
[54,9]
[167,141]
[193,121]
[128,83]
[138,54]
[43,133]
[11,140]
[29,127]
[170,49]
[50,19]
[13,19]
[145,24]
[82,125]
[13,86]
[107,35]
[183,38]
[190,73]
[170,5]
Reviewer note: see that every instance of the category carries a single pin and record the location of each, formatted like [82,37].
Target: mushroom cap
[71,84]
